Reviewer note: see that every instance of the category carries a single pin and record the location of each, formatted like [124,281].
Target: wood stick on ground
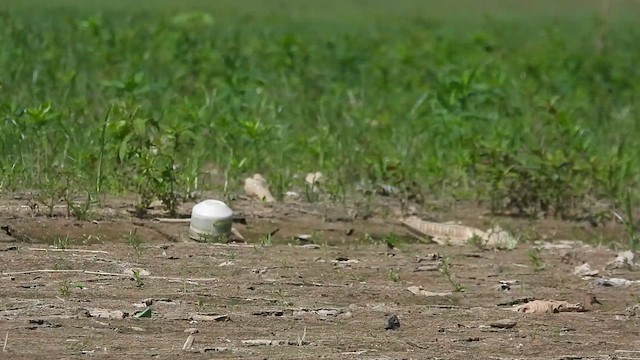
[188,344]
[104,274]
[172,220]
[70,250]
[6,339]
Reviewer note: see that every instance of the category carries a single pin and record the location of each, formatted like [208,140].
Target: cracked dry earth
[328,298]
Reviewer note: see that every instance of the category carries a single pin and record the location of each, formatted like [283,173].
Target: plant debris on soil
[307,302]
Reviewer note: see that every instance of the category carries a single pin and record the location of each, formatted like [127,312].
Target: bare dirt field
[279,297]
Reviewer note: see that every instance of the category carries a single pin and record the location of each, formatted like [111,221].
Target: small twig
[70,250]
[6,339]
[104,274]
[172,220]
[304,335]
[188,344]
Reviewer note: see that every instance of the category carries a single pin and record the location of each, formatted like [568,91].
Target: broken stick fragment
[188,344]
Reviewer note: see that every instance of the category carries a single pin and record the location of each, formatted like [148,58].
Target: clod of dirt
[214,349]
[571,257]
[590,300]
[39,323]
[9,234]
[257,187]
[506,285]
[559,244]
[269,313]
[433,267]
[217,318]
[318,312]
[517,301]
[151,301]
[83,313]
[503,324]
[7,230]
[633,310]
[191,331]
[614,282]
[138,329]
[261,342]
[344,262]
[624,260]
[467,339]
[417,290]
[314,179]
[428,257]
[548,306]
[393,323]
[585,270]
[107,314]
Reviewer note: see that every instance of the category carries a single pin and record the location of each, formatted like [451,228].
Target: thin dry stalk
[172,220]
[6,339]
[70,250]
[188,344]
[103,274]
[304,335]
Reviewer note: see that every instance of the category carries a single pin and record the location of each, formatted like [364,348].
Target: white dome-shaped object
[210,218]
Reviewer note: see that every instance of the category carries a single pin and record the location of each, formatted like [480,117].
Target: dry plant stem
[104,274]
[6,339]
[70,250]
[188,344]
[172,220]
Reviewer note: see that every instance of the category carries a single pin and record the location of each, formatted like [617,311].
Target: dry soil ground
[327,299]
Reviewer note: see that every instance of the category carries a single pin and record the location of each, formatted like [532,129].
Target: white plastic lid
[212,210]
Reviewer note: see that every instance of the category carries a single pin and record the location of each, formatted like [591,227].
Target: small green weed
[200,305]
[445,269]
[394,242]
[138,278]
[535,259]
[135,242]
[394,275]
[61,242]
[266,240]
[477,242]
[65,289]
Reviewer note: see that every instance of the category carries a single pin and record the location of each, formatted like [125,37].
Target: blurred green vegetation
[531,109]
